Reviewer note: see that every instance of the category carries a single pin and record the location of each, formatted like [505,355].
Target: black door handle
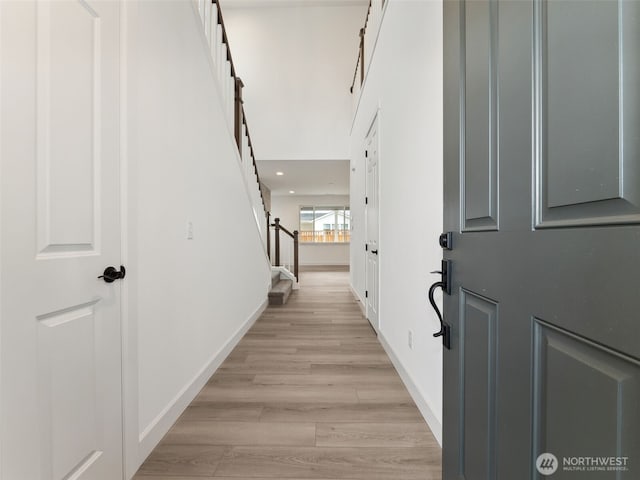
[375,252]
[445,329]
[110,274]
[445,285]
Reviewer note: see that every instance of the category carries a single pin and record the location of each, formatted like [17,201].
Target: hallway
[308,393]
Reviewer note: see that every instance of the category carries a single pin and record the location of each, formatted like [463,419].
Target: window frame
[336,209]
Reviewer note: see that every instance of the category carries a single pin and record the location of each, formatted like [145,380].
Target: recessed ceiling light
[292,191]
[279,173]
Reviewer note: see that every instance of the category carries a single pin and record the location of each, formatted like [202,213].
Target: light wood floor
[308,393]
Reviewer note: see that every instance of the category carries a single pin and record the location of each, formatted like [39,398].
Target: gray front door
[542,194]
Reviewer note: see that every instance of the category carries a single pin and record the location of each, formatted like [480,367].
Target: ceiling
[305,177]
[291,3]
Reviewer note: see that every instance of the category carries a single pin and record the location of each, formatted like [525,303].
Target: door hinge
[366,200]
[366,247]
[366,153]
[366,294]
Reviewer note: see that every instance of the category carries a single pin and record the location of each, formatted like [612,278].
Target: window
[325,224]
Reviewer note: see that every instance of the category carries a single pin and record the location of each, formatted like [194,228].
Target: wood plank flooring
[308,393]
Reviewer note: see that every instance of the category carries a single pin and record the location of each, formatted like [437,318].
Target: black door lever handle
[375,252]
[110,274]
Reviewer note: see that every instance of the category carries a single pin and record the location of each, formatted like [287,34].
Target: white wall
[405,83]
[188,300]
[297,64]
[287,208]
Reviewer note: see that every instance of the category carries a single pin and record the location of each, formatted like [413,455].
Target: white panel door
[372,213]
[60,324]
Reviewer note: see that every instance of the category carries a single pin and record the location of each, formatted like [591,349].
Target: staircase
[230,86]
[284,272]
[280,289]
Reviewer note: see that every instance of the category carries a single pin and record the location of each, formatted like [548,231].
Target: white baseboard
[324,264]
[421,403]
[159,426]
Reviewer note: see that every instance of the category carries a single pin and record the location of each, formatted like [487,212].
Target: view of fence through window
[325,224]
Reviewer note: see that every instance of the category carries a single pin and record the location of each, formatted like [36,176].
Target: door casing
[372,223]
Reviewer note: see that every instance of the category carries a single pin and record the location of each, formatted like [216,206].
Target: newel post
[277,225]
[295,253]
[268,215]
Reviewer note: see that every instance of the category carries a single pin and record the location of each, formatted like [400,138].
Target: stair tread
[282,287]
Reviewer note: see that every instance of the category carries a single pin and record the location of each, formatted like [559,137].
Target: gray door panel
[542,189]
[479,108]
[576,379]
[478,321]
[587,112]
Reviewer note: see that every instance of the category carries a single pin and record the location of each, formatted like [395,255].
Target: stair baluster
[294,250]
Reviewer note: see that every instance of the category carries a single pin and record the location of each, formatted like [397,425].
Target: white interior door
[60,324]
[372,212]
